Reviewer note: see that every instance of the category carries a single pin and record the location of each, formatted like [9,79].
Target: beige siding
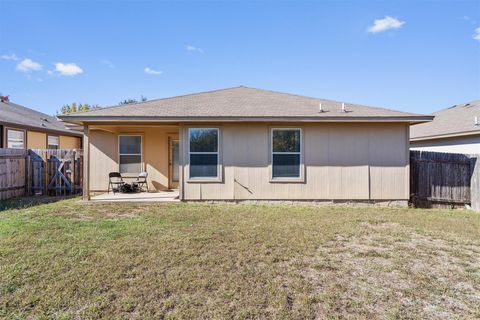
[36,140]
[67,142]
[342,161]
[349,161]
[103,158]
[104,153]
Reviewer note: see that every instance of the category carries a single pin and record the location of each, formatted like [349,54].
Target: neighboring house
[249,144]
[454,130]
[24,128]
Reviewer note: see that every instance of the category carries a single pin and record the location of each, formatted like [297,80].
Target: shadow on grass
[25,202]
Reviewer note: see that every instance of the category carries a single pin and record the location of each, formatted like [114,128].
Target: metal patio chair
[115,181]
[142,181]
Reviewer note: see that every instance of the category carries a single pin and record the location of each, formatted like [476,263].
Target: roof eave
[446,135]
[408,119]
[41,129]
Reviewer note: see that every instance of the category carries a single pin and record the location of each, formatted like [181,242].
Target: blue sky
[421,55]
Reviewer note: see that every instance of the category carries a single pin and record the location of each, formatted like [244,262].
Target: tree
[130,101]
[85,107]
[65,109]
[74,107]
[78,107]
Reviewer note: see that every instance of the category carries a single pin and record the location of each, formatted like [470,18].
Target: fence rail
[40,172]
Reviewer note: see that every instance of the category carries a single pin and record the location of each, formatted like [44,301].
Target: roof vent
[320,108]
[4,99]
[343,107]
[476,121]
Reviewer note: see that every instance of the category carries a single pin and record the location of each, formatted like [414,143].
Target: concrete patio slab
[161,196]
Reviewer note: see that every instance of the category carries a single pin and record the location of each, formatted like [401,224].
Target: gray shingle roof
[240,103]
[456,120]
[14,114]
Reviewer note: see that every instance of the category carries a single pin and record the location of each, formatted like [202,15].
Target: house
[24,128]
[249,144]
[454,130]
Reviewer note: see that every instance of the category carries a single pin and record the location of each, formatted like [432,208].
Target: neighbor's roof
[458,120]
[243,104]
[12,114]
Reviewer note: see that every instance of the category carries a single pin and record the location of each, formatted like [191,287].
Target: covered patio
[159,196]
[150,149]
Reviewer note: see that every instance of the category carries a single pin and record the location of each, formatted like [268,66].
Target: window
[52,142]
[203,150]
[130,154]
[15,139]
[286,153]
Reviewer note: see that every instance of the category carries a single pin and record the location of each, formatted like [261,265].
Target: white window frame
[301,177]
[133,174]
[205,179]
[58,141]
[24,141]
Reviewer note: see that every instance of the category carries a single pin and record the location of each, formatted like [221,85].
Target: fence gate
[440,179]
[55,172]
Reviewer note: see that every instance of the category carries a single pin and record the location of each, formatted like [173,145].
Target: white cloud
[27,65]
[151,71]
[476,36]
[194,49]
[385,24]
[12,57]
[67,69]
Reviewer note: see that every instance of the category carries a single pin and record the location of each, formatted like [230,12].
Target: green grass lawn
[67,260]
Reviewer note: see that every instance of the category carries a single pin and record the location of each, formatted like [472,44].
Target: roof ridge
[158,99]
[330,100]
[463,104]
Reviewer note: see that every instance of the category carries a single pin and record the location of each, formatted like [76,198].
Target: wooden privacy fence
[12,173]
[40,172]
[441,179]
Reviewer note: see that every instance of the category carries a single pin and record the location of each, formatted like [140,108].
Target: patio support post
[86,163]
[181,137]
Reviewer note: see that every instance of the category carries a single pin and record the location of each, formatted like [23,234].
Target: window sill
[204,180]
[287,180]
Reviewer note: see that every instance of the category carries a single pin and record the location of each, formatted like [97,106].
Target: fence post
[475,183]
[27,173]
[45,174]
